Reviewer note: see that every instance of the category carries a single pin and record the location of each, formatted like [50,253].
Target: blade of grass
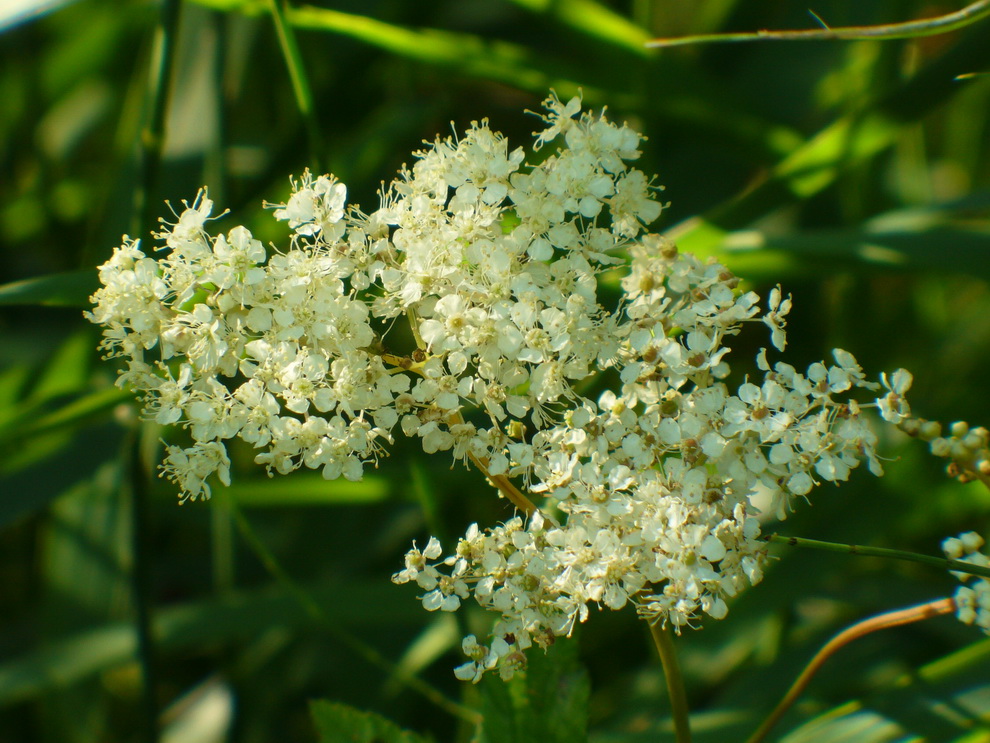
[300,81]
[28,421]
[594,19]
[71,289]
[955,248]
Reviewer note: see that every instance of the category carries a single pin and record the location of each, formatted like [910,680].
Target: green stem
[300,83]
[907,30]
[356,645]
[138,473]
[414,327]
[856,549]
[153,131]
[137,484]
[222,543]
[663,637]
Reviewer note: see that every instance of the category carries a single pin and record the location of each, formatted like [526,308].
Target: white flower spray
[646,493]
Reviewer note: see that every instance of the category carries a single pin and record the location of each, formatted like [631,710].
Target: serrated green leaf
[340,723]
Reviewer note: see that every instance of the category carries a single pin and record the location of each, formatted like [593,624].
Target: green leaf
[28,421]
[546,703]
[339,723]
[71,289]
[68,370]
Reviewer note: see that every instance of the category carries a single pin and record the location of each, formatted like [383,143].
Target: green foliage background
[856,174]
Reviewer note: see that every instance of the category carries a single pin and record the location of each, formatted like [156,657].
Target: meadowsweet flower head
[646,490]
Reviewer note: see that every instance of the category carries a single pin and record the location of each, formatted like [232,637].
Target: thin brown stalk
[873,624]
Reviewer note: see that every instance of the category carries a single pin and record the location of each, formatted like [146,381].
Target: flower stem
[882,621]
[663,637]
[857,549]
[505,486]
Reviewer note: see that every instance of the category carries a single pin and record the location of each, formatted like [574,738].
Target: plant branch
[663,637]
[873,624]
[943,563]
[906,30]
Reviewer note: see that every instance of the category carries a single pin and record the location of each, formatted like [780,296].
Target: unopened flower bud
[959,429]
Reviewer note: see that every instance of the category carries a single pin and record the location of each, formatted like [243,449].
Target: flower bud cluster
[496,263]
[967,449]
[973,597]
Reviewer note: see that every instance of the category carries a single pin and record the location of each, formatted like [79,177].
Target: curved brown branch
[882,621]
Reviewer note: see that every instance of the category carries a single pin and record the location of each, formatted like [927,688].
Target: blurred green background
[856,174]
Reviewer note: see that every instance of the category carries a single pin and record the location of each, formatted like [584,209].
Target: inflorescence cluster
[495,258]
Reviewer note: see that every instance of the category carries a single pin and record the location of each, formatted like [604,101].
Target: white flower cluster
[496,263]
[973,598]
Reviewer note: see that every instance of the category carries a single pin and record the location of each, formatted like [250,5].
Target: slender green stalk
[136,484]
[356,645]
[152,144]
[300,82]
[906,30]
[856,549]
[153,131]
[663,637]
[222,543]
[873,624]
